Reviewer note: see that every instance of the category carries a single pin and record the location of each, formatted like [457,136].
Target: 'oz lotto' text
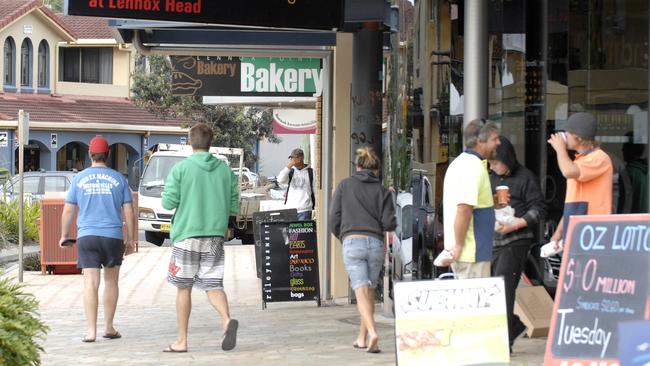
[620,238]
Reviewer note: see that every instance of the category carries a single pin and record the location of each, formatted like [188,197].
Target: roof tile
[51,108]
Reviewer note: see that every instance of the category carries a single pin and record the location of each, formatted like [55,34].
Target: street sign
[604,282]
[23,127]
[300,14]
[53,140]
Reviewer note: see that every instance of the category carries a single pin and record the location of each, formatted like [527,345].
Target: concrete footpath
[283,334]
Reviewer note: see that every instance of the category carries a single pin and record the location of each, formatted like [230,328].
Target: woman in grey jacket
[362,210]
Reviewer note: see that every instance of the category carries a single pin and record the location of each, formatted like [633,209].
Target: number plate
[166,227]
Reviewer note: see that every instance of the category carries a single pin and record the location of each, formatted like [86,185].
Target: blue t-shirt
[99,193]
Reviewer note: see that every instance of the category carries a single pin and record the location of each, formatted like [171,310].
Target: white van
[152,217]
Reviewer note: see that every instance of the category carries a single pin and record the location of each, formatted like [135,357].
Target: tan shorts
[465,270]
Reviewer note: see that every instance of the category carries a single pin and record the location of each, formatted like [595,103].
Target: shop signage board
[300,14]
[289,262]
[4,139]
[451,322]
[294,121]
[268,216]
[604,282]
[246,76]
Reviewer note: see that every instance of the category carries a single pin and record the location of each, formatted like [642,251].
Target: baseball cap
[98,145]
[296,153]
[582,125]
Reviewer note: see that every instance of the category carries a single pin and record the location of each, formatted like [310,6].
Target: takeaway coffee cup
[563,135]
[502,196]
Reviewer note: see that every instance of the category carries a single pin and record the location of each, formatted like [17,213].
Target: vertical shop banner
[289,262]
[604,282]
[246,76]
[451,322]
[4,139]
[294,121]
[268,216]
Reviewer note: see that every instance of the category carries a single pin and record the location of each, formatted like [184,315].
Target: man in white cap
[589,176]
[300,185]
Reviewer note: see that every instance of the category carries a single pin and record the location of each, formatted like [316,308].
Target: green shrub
[9,221]
[20,326]
[32,262]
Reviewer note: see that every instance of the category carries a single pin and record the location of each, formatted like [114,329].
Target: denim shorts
[363,258]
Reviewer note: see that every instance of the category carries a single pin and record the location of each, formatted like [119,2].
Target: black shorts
[99,251]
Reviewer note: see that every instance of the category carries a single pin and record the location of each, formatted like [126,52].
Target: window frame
[27,73]
[43,85]
[82,74]
[11,85]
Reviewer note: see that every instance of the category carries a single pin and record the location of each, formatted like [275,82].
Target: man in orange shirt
[589,176]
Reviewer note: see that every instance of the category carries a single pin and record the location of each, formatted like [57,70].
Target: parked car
[36,184]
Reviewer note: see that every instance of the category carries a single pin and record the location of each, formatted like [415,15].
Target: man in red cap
[101,194]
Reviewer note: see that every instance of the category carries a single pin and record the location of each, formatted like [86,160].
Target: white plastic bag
[505,215]
[550,249]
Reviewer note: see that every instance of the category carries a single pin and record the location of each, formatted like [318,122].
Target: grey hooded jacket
[362,206]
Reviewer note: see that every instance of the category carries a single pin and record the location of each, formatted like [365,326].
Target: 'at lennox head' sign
[305,14]
[246,76]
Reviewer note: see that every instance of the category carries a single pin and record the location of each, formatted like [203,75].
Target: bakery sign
[437,322]
[300,14]
[246,76]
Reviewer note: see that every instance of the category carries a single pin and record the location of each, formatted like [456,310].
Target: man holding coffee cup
[516,187]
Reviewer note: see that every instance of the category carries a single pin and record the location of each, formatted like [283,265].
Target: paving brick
[283,334]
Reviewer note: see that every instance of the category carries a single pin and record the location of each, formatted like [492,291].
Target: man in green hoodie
[203,190]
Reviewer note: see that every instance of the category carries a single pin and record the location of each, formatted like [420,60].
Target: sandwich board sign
[451,322]
[604,283]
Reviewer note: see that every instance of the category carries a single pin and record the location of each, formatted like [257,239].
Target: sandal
[171,349]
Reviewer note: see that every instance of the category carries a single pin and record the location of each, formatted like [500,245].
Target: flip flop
[87,340]
[171,349]
[355,345]
[230,336]
[374,350]
[115,335]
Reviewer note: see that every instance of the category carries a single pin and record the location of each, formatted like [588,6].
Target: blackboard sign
[307,14]
[289,262]
[268,216]
[604,280]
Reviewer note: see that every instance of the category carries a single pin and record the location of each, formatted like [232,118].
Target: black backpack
[310,171]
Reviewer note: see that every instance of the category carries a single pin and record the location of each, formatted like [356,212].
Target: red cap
[98,145]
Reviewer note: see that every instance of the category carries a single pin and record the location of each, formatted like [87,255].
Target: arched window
[9,64]
[26,62]
[43,66]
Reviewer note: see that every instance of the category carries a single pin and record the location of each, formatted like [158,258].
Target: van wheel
[154,237]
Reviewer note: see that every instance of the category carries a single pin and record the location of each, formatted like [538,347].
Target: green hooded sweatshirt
[203,190]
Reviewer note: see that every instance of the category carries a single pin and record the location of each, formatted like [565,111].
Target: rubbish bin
[55,259]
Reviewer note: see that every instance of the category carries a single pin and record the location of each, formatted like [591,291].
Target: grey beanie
[582,125]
